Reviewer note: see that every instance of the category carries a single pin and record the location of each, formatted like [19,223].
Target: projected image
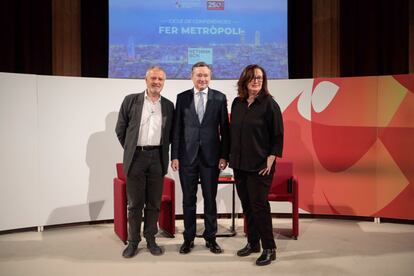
[227,34]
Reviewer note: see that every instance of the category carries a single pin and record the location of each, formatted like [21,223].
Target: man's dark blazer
[127,127]
[212,134]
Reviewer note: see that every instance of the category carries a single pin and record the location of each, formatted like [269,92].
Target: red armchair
[166,219]
[285,188]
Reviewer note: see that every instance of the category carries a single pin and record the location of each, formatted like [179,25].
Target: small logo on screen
[215,5]
[195,55]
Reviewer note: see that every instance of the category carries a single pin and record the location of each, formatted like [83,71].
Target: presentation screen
[174,34]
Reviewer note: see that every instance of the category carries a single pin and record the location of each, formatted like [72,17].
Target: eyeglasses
[257,78]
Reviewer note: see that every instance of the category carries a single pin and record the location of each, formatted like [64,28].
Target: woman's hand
[270,160]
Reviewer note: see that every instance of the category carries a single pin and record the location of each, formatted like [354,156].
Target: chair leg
[295,220]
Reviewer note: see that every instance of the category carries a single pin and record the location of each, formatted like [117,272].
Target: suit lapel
[192,105]
[138,107]
[209,104]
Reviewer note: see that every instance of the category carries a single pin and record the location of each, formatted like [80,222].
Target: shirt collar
[259,98]
[205,91]
[148,98]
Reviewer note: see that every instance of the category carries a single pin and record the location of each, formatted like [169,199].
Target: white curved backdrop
[59,149]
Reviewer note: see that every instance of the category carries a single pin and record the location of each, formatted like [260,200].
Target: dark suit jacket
[212,135]
[127,127]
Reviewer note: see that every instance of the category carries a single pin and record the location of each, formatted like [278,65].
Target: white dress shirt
[196,98]
[151,123]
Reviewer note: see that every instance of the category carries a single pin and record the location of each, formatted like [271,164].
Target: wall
[349,138]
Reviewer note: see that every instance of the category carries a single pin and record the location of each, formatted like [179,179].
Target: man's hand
[175,165]
[222,164]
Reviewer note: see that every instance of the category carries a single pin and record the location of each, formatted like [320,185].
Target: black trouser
[252,190]
[144,187]
[189,176]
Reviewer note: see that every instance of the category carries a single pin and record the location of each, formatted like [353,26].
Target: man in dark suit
[143,129]
[200,149]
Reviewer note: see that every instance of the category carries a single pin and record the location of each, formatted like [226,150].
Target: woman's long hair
[246,76]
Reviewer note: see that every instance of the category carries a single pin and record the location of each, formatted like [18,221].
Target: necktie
[200,106]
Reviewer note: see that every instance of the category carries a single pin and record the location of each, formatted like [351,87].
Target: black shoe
[214,247]
[186,247]
[248,249]
[130,250]
[154,248]
[267,257]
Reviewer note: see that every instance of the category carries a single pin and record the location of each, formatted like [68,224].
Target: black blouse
[256,131]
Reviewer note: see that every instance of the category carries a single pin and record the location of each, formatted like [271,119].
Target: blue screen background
[175,34]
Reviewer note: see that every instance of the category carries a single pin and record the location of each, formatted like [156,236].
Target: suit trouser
[144,188]
[189,178]
[252,190]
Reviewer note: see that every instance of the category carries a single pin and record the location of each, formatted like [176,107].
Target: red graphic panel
[355,154]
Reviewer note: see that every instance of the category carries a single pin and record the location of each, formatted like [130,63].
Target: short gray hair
[155,67]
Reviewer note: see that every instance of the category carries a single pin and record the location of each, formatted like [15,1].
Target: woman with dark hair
[256,129]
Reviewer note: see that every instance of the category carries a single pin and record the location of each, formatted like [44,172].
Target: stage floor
[324,247]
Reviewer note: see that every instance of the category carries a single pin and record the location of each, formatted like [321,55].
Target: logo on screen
[215,5]
[200,54]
